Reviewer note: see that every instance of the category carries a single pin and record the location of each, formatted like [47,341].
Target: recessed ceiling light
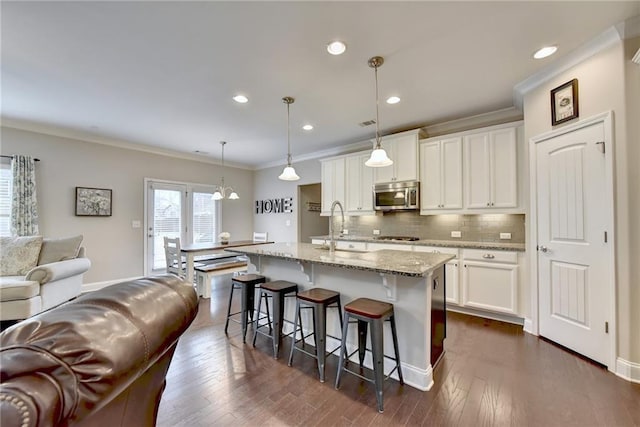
[241,99]
[307,127]
[545,51]
[393,100]
[336,48]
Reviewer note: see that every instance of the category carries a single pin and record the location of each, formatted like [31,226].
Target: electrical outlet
[345,231]
[505,236]
[376,232]
[456,234]
[135,223]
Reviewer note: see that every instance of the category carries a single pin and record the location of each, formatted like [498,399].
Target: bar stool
[247,284]
[277,290]
[318,300]
[370,312]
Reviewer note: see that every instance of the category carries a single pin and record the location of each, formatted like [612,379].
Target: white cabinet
[359,185]
[452,271]
[333,183]
[491,179]
[490,280]
[402,148]
[441,174]
[394,246]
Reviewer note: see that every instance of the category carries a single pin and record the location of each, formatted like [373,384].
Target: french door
[179,210]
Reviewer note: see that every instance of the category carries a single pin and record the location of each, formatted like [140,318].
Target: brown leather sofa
[99,360]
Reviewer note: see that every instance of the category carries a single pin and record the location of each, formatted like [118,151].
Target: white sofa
[55,278]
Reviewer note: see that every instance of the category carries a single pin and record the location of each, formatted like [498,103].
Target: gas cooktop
[400,238]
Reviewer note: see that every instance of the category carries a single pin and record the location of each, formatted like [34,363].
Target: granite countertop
[465,244]
[402,263]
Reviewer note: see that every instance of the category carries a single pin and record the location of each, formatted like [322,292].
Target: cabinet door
[405,158]
[490,286]
[366,185]
[430,172]
[353,184]
[477,181]
[451,172]
[333,174]
[452,282]
[504,179]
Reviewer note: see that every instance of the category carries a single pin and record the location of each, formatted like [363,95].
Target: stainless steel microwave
[395,196]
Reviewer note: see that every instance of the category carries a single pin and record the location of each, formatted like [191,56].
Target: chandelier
[221,190]
[288,173]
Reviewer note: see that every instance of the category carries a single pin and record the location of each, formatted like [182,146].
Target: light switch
[376,232]
[135,223]
[456,234]
[505,236]
[345,231]
[287,223]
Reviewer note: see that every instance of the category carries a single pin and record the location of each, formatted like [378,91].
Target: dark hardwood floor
[492,374]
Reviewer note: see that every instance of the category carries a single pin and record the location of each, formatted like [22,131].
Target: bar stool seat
[247,284]
[277,290]
[370,312]
[318,300]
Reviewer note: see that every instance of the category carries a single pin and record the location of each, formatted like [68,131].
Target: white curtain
[24,205]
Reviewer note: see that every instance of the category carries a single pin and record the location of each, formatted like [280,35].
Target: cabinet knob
[488,256]
[544,249]
[491,203]
[488,204]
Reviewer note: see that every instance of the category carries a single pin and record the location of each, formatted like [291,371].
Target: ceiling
[162,74]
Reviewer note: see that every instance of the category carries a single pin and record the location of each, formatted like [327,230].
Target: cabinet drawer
[490,256]
[437,250]
[344,244]
[393,246]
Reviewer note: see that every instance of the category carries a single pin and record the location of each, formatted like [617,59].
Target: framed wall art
[564,102]
[93,201]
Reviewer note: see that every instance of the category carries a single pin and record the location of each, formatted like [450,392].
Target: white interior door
[574,261]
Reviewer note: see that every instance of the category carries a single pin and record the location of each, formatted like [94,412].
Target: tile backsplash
[482,228]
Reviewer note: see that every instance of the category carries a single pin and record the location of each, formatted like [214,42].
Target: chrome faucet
[332,242]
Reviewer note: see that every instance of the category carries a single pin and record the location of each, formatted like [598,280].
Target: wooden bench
[206,272]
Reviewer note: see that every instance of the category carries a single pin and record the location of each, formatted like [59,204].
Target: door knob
[544,249]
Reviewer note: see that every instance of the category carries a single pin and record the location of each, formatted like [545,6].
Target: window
[5,197]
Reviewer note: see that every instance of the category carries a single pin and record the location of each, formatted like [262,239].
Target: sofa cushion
[18,255]
[16,288]
[54,250]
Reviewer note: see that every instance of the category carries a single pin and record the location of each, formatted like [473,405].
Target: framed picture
[93,201]
[564,102]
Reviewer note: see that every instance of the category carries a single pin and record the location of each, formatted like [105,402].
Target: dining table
[192,250]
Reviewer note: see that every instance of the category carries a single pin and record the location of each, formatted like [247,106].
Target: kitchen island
[405,279]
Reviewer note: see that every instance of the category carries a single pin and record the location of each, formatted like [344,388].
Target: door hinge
[605,237]
[606,327]
[602,146]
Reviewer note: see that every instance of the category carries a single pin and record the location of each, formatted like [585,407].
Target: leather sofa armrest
[58,270]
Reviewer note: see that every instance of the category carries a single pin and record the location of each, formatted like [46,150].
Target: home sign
[283,205]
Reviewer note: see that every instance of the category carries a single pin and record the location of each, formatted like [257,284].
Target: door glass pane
[167,221]
[204,218]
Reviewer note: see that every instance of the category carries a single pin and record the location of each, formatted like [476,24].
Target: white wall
[608,81]
[115,248]
[268,186]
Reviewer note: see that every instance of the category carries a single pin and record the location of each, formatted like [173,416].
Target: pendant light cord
[377,112]
[288,136]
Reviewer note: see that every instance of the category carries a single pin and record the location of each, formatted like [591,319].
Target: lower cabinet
[452,269]
[490,280]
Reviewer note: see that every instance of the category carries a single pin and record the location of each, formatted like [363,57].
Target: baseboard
[486,314]
[528,326]
[628,370]
[90,287]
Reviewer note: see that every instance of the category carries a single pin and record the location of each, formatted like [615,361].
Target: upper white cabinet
[333,183]
[402,148]
[359,185]
[441,174]
[491,179]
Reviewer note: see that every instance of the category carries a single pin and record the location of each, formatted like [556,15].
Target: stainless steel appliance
[394,196]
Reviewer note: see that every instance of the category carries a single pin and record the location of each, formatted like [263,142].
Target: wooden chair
[260,237]
[173,256]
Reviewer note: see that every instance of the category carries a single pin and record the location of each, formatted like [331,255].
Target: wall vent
[367,123]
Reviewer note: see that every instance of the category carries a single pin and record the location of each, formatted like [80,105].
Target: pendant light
[221,191]
[378,157]
[289,173]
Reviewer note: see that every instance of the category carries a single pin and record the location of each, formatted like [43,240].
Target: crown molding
[506,115]
[601,42]
[95,139]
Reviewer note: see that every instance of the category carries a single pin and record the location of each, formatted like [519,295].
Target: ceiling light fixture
[241,99]
[221,191]
[393,100]
[307,127]
[289,173]
[545,51]
[336,48]
[378,157]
